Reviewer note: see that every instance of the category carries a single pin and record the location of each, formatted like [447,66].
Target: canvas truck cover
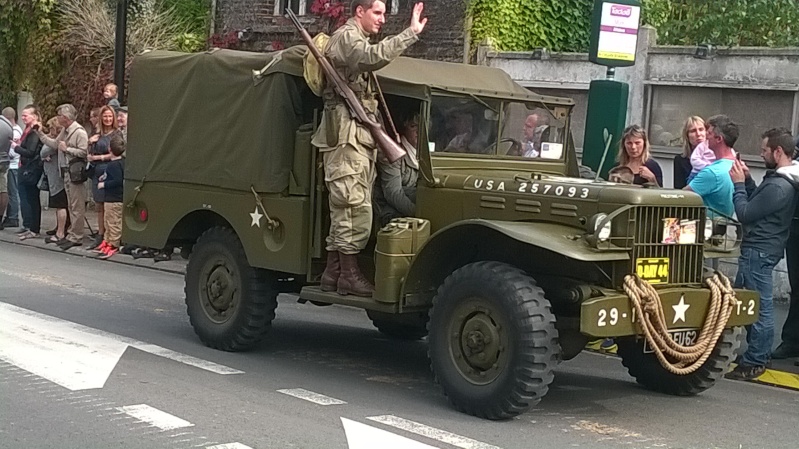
[227,118]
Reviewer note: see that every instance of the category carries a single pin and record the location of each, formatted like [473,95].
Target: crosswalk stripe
[310,396]
[154,417]
[431,432]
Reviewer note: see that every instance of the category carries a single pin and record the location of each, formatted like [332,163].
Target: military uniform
[349,150]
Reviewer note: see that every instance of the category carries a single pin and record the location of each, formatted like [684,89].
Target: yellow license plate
[653,270]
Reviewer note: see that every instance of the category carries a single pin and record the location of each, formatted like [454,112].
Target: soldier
[348,148]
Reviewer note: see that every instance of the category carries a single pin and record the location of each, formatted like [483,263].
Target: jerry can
[397,244]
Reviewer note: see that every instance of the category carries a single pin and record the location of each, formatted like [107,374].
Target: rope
[652,323]
[270,223]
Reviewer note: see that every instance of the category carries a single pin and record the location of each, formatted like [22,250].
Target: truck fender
[471,240]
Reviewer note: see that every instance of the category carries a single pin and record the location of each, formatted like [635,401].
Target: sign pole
[614,41]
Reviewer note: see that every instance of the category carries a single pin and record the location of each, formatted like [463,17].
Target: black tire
[647,370]
[230,304]
[504,375]
[406,326]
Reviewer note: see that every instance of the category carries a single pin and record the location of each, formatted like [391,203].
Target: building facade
[261,26]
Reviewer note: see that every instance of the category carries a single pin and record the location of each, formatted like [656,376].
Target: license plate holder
[654,270]
[685,337]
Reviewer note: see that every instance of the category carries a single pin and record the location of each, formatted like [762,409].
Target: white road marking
[310,396]
[154,417]
[431,432]
[74,356]
[229,446]
[362,436]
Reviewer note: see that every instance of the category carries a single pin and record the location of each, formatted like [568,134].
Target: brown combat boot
[332,272]
[352,281]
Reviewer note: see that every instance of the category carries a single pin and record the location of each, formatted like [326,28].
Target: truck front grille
[685,259]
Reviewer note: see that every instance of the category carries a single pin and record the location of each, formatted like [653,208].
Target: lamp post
[120,42]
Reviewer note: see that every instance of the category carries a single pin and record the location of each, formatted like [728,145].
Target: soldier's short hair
[365,4]
[68,111]
[780,138]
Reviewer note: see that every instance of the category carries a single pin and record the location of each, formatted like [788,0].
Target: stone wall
[442,39]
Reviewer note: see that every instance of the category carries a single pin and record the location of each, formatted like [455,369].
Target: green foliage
[517,25]
[29,59]
[564,25]
[761,23]
[196,14]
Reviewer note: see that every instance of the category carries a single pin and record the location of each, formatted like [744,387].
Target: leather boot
[352,281]
[332,272]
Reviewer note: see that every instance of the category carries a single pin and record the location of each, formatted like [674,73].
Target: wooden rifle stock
[391,149]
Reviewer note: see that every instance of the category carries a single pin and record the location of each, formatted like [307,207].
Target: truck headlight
[708,229]
[604,233]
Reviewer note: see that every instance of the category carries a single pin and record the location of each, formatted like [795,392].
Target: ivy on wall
[758,23]
[564,25]
[518,25]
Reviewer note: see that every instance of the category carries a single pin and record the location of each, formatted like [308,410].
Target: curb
[170,266]
[772,377]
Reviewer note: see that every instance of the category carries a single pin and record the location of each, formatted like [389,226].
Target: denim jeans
[31,207]
[755,270]
[12,212]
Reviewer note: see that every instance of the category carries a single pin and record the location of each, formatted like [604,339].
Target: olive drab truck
[511,264]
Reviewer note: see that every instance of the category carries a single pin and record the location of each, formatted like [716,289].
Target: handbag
[77,171]
[30,173]
[44,183]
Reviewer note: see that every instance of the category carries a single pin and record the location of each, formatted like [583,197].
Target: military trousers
[349,177]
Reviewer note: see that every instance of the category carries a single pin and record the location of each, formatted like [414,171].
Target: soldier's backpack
[311,70]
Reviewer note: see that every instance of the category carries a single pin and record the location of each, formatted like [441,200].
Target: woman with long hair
[634,153]
[30,172]
[99,156]
[693,134]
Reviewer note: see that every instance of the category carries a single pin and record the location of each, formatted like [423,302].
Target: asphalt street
[109,360]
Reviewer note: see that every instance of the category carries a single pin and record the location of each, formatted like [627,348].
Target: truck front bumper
[613,315]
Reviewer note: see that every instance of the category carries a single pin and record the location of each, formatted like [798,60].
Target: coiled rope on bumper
[652,323]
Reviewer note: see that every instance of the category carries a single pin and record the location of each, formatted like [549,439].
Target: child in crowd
[701,157]
[110,94]
[111,184]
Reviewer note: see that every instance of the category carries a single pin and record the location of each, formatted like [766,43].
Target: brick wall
[442,38]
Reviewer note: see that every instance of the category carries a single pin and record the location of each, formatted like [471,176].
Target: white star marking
[679,310]
[256,218]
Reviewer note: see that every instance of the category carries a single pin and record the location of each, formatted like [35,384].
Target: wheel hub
[220,292]
[478,343]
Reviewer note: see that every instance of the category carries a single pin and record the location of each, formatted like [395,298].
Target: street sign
[614,32]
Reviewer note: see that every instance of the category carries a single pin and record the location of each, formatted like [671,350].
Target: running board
[316,295]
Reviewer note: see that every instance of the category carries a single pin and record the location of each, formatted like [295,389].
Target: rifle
[391,149]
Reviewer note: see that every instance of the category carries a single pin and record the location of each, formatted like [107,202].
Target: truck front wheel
[493,345]
[648,371]
[230,304]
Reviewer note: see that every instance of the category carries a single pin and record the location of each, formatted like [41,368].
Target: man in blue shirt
[713,183]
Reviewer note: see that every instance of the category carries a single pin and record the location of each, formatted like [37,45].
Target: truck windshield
[491,128]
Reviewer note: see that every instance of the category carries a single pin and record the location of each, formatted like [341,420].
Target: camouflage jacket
[354,57]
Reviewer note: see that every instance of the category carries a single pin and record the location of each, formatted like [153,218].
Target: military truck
[510,265]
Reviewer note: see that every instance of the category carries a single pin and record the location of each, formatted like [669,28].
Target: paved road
[109,360]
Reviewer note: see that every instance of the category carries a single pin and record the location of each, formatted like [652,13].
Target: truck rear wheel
[230,304]
[647,370]
[493,345]
[405,326]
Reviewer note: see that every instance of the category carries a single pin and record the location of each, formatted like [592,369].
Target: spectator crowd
[73,164]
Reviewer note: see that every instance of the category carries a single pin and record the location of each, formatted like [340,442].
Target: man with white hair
[72,144]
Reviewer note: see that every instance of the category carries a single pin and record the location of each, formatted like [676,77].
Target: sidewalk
[178,265]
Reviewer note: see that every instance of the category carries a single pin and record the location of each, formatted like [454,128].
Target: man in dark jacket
[790,330]
[766,214]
